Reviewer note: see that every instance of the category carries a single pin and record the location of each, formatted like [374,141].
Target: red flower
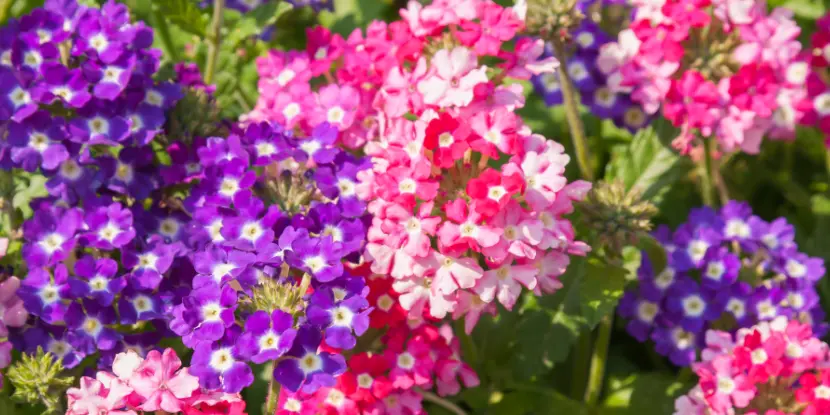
[218,408]
[762,358]
[447,138]
[491,191]
[815,392]
[387,310]
[365,381]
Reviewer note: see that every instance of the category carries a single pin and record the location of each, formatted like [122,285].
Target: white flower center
[212,312]
[683,339]
[111,74]
[290,111]
[39,141]
[406,361]
[365,380]
[169,227]
[252,231]
[407,186]
[99,125]
[346,187]
[766,310]
[445,140]
[665,278]
[32,59]
[265,149]
[286,76]
[220,270]
[20,97]
[269,341]
[385,302]
[99,42]
[736,307]
[292,405]
[49,294]
[98,283]
[697,249]
[341,317]
[222,360]
[585,39]
[758,356]
[770,240]
[92,326]
[335,115]
[229,187]
[715,270]
[147,260]
[725,385]
[51,243]
[551,81]
[124,172]
[796,73]
[737,228]
[496,193]
[109,232]
[493,136]
[311,363]
[142,304]
[694,306]
[154,98]
[822,392]
[71,170]
[315,263]
[795,269]
[646,311]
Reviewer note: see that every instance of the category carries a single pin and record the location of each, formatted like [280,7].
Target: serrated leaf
[186,14]
[646,164]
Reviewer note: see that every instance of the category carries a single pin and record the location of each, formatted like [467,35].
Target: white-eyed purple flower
[16,101]
[216,266]
[53,340]
[220,151]
[342,320]
[252,229]
[45,295]
[89,329]
[218,364]
[328,221]
[319,146]
[146,122]
[38,142]
[60,83]
[204,315]
[111,78]
[100,280]
[139,305]
[721,269]
[127,174]
[108,227]
[50,235]
[319,257]
[267,337]
[231,183]
[678,344]
[96,125]
[305,366]
[692,306]
[147,266]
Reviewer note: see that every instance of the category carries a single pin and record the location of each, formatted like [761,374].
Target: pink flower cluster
[156,383]
[417,354]
[467,202]
[816,105]
[773,368]
[12,312]
[725,69]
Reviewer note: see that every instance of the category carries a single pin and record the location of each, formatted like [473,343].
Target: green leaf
[254,22]
[350,14]
[186,14]
[548,328]
[656,253]
[26,189]
[646,164]
[643,393]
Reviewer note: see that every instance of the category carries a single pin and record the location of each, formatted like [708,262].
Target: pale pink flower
[399,94]
[466,231]
[161,384]
[471,307]
[527,63]
[451,273]
[505,283]
[520,234]
[93,398]
[336,105]
[12,311]
[416,296]
[414,230]
[453,75]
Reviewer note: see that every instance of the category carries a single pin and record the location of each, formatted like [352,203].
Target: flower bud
[552,19]
[618,217]
[38,379]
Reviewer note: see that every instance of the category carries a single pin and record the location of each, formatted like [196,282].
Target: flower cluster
[82,109]
[717,70]
[816,103]
[155,383]
[726,270]
[467,204]
[415,354]
[773,368]
[603,20]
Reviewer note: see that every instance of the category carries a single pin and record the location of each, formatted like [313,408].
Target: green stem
[706,176]
[598,359]
[826,160]
[431,397]
[214,40]
[5,6]
[582,356]
[717,177]
[273,397]
[163,31]
[580,142]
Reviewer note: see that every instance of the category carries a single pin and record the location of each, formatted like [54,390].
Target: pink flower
[12,311]
[160,382]
[723,386]
[414,230]
[411,366]
[337,106]
[496,25]
[691,100]
[399,93]
[520,234]
[491,191]
[323,49]
[544,174]
[466,231]
[454,74]
[471,307]
[497,131]
[524,62]
[416,296]
[451,273]
[505,283]
[279,70]
[93,398]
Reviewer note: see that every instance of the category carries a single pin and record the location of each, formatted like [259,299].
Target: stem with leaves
[431,397]
[214,40]
[597,373]
[580,142]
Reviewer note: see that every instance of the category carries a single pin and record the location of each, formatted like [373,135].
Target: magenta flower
[161,384]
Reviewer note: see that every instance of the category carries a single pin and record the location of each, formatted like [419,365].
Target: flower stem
[214,40]
[706,176]
[273,397]
[598,358]
[580,142]
[160,24]
[717,177]
[431,397]
[582,356]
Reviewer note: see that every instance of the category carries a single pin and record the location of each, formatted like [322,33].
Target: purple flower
[111,78]
[339,318]
[692,246]
[28,55]
[96,125]
[339,182]
[58,82]
[216,266]
[44,295]
[691,306]
[88,330]
[50,235]
[605,103]
[307,367]
[127,172]
[317,256]
[267,337]
[163,95]
[319,146]
[145,122]
[329,222]
[139,305]
[246,231]
[109,227]
[219,365]
[207,225]
[641,313]
[72,181]
[633,118]
[765,303]
[721,269]
[676,343]
[219,151]
[776,236]
[204,315]
[549,86]
[266,144]
[802,268]
[53,340]
[146,267]
[735,301]
[185,165]
[16,102]
[101,282]
[736,216]
[231,183]
[38,142]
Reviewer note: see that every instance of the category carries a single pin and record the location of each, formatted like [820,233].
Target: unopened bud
[618,217]
[552,20]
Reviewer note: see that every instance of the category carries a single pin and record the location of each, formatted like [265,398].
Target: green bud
[618,217]
[271,294]
[38,379]
[552,20]
[195,115]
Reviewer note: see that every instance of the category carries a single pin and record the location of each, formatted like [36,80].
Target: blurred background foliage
[530,360]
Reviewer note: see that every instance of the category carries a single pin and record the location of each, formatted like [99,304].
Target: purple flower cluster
[255,262]
[726,270]
[81,108]
[585,73]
